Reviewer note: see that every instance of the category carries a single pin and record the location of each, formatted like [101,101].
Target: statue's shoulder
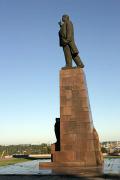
[69,23]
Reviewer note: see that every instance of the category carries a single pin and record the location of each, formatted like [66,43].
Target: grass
[6,162]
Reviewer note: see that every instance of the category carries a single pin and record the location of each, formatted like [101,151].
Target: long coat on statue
[66,36]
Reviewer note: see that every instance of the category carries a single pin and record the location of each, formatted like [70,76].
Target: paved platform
[54,177]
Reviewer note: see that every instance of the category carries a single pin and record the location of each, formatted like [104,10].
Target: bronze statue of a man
[66,38]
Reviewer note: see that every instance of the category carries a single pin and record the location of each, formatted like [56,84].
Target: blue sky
[30,60]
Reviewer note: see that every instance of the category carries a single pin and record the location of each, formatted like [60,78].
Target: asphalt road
[54,177]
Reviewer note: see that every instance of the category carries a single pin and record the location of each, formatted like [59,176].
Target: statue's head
[65,18]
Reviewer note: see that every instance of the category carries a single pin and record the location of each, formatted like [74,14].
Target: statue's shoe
[81,66]
[67,67]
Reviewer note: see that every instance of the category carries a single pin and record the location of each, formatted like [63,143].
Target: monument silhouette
[77,142]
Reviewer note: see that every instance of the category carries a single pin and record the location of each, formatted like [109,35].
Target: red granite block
[68,103]
[67,147]
[66,118]
[64,156]
[90,159]
[83,93]
[80,156]
[62,101]
[68,139]
[69,127]
[90,146]
[68,94]
[67,110]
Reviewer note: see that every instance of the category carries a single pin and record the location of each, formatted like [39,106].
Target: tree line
[25,149]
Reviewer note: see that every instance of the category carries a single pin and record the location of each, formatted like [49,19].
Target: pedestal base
[64,164]
[73,168]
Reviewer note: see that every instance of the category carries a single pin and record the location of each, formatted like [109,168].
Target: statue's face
[65,18]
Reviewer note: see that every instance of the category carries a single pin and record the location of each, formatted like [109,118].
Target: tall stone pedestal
[79,142]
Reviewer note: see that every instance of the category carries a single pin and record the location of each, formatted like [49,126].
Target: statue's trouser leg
[77,60]
[68,57]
